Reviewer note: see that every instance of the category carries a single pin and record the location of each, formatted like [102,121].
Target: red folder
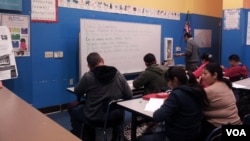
[163,95]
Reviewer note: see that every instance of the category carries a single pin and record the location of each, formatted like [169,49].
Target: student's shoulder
[210,88]
[162,67]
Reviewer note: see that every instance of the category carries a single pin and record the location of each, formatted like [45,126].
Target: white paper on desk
[238,86]
[153,104]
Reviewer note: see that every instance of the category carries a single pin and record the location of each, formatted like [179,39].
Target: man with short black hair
[237,70]
[191,53]
[101,83]
[152,79]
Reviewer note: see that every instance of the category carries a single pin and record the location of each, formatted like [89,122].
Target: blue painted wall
[234,41]
[43,81]
[206,23]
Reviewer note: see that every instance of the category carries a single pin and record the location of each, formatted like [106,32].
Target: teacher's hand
[178,54]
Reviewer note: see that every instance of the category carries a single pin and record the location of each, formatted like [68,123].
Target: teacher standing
[191,53]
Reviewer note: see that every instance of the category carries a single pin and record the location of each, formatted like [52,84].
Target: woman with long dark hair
[222,107]
[182,111]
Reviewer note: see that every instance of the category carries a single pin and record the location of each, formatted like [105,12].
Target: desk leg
[133,126]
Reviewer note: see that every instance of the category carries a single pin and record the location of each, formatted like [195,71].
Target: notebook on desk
[153,104]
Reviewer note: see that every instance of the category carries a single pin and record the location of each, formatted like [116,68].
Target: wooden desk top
[19,121]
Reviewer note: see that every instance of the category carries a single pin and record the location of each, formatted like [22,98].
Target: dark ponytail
[200,93]
[187,78]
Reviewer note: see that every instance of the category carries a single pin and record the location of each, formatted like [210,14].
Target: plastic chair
[104,125]
[215,135]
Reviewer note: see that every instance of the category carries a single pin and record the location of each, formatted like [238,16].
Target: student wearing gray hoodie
[99,84]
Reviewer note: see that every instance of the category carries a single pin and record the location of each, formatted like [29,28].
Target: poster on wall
[20,33]
[231,19]
[101,5]
[8,69]
[203,37]
[248,29]
[44,10]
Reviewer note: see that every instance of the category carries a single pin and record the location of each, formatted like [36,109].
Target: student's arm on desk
[139,81]
[1,85]
[130,83]
[136,92]
[72,90]
[165,112]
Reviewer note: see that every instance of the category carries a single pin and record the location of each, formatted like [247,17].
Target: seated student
[237,70]
[222,107]
[99,84]
[205,59]
[152,79]
[182,111]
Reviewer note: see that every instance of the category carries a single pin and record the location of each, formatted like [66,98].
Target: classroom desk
[19,121]
[242,84]
[136,107]
[241,88]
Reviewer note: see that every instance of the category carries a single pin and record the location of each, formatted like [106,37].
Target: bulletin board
[203,37]
[121,44]
[19,26]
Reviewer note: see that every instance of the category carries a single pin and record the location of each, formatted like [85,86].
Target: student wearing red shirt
[237,70]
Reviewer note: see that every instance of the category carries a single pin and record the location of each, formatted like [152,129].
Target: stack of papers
[154,104]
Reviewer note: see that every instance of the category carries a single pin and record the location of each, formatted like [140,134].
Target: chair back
[215,135]
[109,107]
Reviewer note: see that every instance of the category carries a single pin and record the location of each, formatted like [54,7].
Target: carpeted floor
[63,119]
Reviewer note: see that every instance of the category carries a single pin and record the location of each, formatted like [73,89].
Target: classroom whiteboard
[121,44]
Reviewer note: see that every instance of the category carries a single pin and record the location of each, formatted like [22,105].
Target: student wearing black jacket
[182,111]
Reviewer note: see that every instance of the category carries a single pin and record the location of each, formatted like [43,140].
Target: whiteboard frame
[152,42]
